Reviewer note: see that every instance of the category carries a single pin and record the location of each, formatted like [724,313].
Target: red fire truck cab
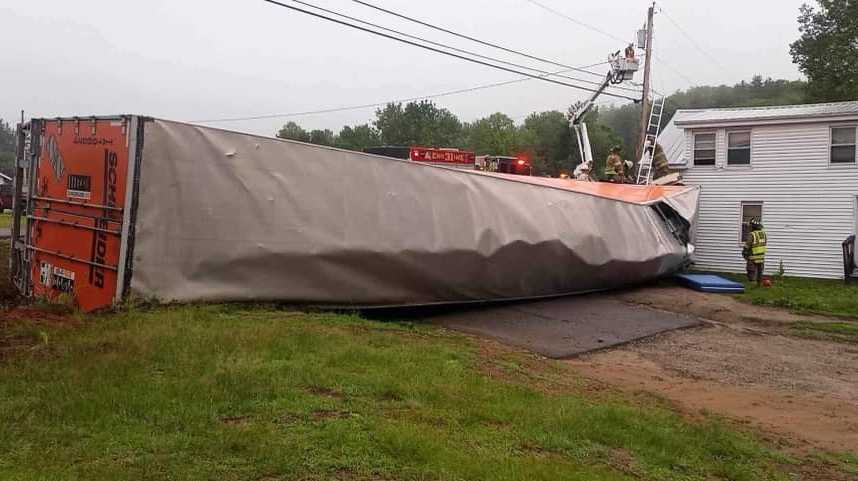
[504,165]
[456,158]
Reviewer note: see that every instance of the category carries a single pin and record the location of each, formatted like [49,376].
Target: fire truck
[504,164]
[444,157]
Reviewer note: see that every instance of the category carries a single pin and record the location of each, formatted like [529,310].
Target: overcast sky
[204,59]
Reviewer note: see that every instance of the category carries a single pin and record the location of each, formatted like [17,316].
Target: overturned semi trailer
[135,206]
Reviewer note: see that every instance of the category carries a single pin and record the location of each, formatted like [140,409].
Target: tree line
[544,137]
[7,148]
[625,120]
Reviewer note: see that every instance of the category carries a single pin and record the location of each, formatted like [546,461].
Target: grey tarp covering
[229,216]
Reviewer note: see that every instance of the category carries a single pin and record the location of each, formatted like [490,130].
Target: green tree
[7,148]
[493,135]
[418,123]
[548,137]
[602,139]
[293,131]
[358,137]
[625,120]
[322,137]
[826,50]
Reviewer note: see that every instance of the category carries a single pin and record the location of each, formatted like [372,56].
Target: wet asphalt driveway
[564,327]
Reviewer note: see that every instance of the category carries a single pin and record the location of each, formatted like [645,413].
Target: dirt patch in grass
[714,307]
[753,364]
[804,421]
[827,331]
[517,366]
[22,327]
[8,293]
[321,414]
[325,392]
[235,420]
[25,329]
[821,470]
[46,315]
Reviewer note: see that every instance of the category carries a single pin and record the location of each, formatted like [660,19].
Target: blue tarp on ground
[710,283]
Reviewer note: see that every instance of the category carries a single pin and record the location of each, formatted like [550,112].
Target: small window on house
[843,145]
[750,210]
[738,148]
[704,149]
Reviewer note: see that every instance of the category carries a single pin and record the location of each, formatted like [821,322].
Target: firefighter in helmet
[583,172]
[614,166]
[754,251]
[661,167]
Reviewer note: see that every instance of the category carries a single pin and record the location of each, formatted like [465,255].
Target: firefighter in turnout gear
[755,251]
[660,165]
[615,167]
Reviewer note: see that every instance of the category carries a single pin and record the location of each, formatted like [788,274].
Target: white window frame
[831,145]
[750,147]
[694,148]
[742,215]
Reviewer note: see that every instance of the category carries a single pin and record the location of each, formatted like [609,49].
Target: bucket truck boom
[622,68]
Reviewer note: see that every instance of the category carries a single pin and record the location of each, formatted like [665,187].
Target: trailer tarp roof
[227,216]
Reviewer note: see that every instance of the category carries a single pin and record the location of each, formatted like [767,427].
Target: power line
[467,52]
[610,35]
[673,69]
[577,22]
[371,105]
[443,52]
[467,37]
[364,106]
[690,38]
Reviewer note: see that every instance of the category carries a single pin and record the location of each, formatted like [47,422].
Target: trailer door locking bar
[80,204]
[74,225]
[48,208]
[71,258]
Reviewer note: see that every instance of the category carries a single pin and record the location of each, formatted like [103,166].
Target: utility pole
[645,103]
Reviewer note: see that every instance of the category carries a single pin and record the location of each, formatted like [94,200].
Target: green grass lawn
[822,296]
[832,331]
[251,393]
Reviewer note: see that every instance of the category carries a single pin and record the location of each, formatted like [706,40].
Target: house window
[843,145]
[704,149]
[750,210]
[739,148]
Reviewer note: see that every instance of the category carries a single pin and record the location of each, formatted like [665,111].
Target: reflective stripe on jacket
[757,243]
[614,165]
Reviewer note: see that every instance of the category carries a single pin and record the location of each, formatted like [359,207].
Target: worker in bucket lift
[755,251]
[630,52]
[615,168]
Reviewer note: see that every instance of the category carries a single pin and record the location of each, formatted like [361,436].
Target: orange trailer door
[75,208]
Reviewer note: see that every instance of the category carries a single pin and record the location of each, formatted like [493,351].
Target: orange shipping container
[74,205]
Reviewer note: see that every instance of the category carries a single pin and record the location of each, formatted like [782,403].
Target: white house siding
[809,206]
